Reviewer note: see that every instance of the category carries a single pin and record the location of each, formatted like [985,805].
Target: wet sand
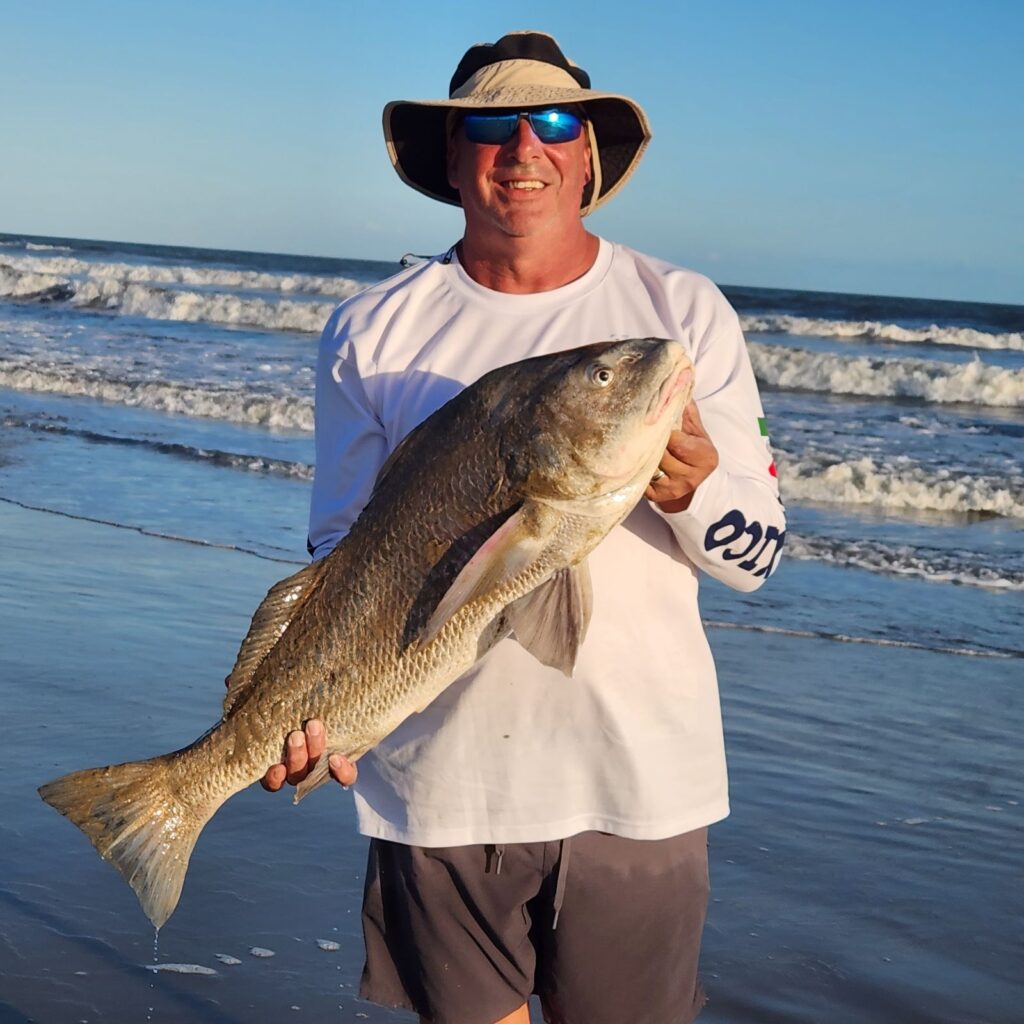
[869,873]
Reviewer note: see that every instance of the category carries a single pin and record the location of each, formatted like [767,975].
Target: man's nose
[524,142]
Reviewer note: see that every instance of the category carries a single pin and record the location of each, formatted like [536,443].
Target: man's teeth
[525,184]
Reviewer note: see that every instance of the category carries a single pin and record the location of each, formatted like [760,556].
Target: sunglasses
[550,126]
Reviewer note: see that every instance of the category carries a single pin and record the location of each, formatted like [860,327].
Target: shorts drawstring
[494,853]
[563,872]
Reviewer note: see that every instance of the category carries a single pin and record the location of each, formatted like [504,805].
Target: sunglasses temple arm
[595,169]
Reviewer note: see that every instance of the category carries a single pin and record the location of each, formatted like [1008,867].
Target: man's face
[522,187]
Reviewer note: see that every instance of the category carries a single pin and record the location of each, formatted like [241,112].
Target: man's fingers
[296,757]
[342,769]
[689,448]
[672,466]
[314,738]
[692,423]
[295,754]
[696,454]
[686,462]
[675,481]
[274,779]
[683,448]
[301,751]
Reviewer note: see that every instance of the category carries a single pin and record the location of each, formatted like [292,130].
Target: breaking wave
[826,479]
[203,277]
[227,403]
[207,307]
[158,303]
[802,370]
[873,330]
[148,291]
[42,287]
[933,564]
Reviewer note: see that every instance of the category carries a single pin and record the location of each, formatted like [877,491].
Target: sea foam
[206,307]
[221,277]
[180,969]
[228,403]
[148,291]
[899,485]
[973,382]
[16,284]
[876,331]
[934,565]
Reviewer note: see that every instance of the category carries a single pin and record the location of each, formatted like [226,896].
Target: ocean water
[156,406]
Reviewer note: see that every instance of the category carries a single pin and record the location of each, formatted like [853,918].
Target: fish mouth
[679,378]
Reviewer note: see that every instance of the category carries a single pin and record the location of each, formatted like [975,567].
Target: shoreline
[868,871]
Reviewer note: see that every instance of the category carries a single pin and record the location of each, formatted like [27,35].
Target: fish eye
[600,375]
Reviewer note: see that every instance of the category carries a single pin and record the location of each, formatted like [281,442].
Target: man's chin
[524,219]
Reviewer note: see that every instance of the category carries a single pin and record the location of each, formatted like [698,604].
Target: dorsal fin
[270,620]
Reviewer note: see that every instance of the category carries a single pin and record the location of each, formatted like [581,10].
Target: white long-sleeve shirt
[513,751]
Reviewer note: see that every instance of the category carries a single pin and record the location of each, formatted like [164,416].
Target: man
[532,833]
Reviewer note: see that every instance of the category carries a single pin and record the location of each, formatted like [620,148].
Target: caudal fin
[136,820]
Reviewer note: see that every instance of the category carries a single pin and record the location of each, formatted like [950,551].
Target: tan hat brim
[416,138]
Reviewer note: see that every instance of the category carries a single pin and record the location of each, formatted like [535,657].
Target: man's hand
[689,460]
[301,750]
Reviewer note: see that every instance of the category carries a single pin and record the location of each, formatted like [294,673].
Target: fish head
[597,418]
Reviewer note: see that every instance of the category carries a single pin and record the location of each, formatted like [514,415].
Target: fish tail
[136,817]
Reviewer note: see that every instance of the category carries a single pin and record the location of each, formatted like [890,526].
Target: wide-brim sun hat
[521,71]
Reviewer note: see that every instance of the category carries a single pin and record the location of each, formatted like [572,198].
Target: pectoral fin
[505,554]
[551,621]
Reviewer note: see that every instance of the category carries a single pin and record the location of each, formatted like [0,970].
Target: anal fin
[319,773]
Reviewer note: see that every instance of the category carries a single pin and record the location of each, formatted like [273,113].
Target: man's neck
[524,265]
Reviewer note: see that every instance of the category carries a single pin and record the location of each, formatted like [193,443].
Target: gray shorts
[603,929]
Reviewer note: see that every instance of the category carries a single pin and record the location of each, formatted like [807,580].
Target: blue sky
[873,147]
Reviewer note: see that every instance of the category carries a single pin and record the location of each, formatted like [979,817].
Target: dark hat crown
[515,46]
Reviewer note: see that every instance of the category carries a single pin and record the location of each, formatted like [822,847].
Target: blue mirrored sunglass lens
[497,129]
[556,125]
[489,130]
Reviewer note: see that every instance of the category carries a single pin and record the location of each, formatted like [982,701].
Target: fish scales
[479,526]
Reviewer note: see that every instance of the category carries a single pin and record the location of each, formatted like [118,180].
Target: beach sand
[870,871]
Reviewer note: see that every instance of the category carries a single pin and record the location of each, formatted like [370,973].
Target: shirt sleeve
[735,525]
[351,444]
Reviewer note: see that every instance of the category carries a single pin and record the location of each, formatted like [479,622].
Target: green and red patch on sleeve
[762,426]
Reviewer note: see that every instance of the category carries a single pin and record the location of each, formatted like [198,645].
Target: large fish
[478,526]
